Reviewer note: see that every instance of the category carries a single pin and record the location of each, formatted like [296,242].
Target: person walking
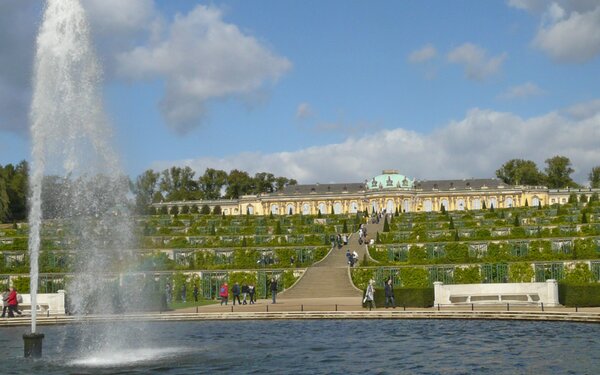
[195,292]
[251,291]
[5,302]
[12,303]
[236,293]
[370,295]
[274,289]
[244,293]
[224,293]
[389,294]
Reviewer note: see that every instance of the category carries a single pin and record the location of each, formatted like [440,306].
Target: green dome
[390,179]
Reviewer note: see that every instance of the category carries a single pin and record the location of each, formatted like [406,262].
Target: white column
[552,286]
[437,293]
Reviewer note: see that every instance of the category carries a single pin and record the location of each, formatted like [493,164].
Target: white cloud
[201,57]
[572,38]
[525,90]
[423,54]
[473,147]
[478,66]
[118,16]
[569,30]
[304,111]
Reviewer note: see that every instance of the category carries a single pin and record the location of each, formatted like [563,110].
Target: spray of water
[71,139]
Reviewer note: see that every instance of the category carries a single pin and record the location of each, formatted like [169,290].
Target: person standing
[389,294]
[12,303]
[195,293]
[244,293]
[274,289]
[5,302]
[370,295]
[251,291]
[184,293]
[168,292]
[236,293]
[224,293]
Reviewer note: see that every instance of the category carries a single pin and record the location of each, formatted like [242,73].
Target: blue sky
[331,91]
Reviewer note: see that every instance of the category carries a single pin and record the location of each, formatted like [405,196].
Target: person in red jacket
[12,303]
[224,293]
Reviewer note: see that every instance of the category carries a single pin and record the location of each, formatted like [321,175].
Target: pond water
[315,346]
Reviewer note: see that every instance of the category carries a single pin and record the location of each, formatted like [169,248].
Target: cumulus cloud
[478,66]
[304,111]
[569,30]
[475,146]
[525,90]
[423,54]
[201,57]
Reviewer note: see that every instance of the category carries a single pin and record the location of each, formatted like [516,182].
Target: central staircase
[330,277]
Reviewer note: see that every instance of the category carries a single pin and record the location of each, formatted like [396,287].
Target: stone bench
[46,304]
[497,293]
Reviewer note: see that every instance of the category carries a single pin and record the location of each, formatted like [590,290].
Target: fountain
[71,138]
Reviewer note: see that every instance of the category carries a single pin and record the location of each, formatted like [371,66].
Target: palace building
[389,191]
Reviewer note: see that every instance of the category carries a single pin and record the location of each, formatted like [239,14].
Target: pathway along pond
[316,347]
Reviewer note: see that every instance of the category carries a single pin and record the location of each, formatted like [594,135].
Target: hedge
[584,295]
[408,297]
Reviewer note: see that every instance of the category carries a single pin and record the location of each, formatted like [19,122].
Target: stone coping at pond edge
[331,308]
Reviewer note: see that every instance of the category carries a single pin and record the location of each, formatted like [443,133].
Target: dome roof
[390,179]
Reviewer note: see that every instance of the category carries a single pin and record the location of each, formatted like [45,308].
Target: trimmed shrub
[468,275]
[585,295]
[409,297]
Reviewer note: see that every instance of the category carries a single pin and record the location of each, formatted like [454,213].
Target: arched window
[289,209]
[406,205]
[306,209]
[460,204]
[508,202]
[390,206]
[444,203]
[337,208]
[323,208]
[427,205]
[353,207]
[535,201]
[493,202]
[275,209]
[250,209]
[374,207]
[476,204]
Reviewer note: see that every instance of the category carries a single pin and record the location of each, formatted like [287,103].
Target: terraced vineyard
[507,245]
[204,250]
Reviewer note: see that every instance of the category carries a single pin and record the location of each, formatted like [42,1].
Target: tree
[211,183]
[145,189]
[572,198]
[4,202]
[263,183]
[178,184]
[520,172]
[583,198]
[282,182]
[386,226]
[238,183]
[217,210]
[558,172]
[205,210]
[594,177]
[16,189]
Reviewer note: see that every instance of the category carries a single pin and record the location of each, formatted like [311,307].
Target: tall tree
[238,183]
[594,177]
[282,182]
[145,189]
[520,172]
[211,183]
[15,178]
[179,184]
[4,202]
[264,183]
[558,172]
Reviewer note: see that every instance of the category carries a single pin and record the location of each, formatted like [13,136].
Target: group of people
[10,303]
[362,234]
[352,257]
[369,298]
[339,240]
[245,290]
